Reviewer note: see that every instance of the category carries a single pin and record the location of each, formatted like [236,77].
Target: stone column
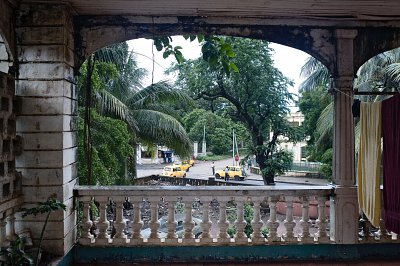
[47,119]
[139,154]
[204,148]
[344,205]
[195,149]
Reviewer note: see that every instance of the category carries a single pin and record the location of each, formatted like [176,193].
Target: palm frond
[316,75]
[325,122]
[161,91]
[157,127]
[166,109]
[393,71]
[107,103]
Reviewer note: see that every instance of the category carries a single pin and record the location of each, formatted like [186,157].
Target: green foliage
[256,96]
[110,148]
[217,53]
[179,207]
[214,157]
[248,218]
[278,163]
[311,105]
[49,206]
[165,43]
[326,159]
[15,254]
[114,90]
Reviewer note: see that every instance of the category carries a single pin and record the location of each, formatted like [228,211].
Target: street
[202,170]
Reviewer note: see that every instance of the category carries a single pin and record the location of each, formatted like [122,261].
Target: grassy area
[221,157]
[214,157]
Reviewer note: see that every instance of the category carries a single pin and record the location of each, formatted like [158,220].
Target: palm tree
[380,73]
[113,86]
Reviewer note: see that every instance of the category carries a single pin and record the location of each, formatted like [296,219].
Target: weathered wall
[47,121]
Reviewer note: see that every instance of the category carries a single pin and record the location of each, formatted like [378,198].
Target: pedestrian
[226,173]
[243,171]
[213,168]
[248,163]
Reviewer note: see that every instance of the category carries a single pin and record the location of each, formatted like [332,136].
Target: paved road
[202,170]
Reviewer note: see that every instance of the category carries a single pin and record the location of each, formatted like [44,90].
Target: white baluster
[223,224]
[86,237]
[172,237]
[321,235]
[137,223]
[119,223]
[257,237]
[103,224]
[206,224]
[272,223]
[188,224]
[369,236]
[305,236]
[154,223]
[11,235]
[383,235]
[289,223]
[240,223]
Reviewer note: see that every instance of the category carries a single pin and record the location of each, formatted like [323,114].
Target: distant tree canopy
[218,130]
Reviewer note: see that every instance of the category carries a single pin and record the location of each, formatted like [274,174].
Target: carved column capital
[343,83]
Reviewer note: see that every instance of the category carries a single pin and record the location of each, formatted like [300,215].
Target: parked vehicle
[235,172]
[173,171]
[183,166]
[190,162]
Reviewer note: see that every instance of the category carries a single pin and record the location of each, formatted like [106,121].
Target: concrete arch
[6,58]
[93,33]
[7,36]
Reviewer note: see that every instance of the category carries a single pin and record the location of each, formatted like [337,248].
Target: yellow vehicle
[190,162]
[173,171]
[184,166]
[234,172]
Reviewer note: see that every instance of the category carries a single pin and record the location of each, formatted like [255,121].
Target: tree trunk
[261,157]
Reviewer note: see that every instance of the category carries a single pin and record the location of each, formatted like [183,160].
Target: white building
[299,148]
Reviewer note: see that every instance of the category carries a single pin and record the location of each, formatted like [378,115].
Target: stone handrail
[176,215]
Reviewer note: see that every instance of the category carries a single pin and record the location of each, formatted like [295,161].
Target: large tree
[257,96]
[110,82]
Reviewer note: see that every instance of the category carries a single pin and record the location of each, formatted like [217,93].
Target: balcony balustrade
[176,215]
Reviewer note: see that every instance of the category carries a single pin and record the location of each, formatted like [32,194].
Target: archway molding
[93,33]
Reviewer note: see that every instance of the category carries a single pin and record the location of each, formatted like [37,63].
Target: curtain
[391,162]
[369,161]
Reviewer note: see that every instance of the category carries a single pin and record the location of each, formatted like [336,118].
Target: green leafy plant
[15,254]
[49,206]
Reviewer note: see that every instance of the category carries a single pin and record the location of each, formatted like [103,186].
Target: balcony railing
[203,215]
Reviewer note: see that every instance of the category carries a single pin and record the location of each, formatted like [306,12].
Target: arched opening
[301,155]
[6,60]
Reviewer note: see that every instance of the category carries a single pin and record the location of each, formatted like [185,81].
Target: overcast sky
[288,60]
